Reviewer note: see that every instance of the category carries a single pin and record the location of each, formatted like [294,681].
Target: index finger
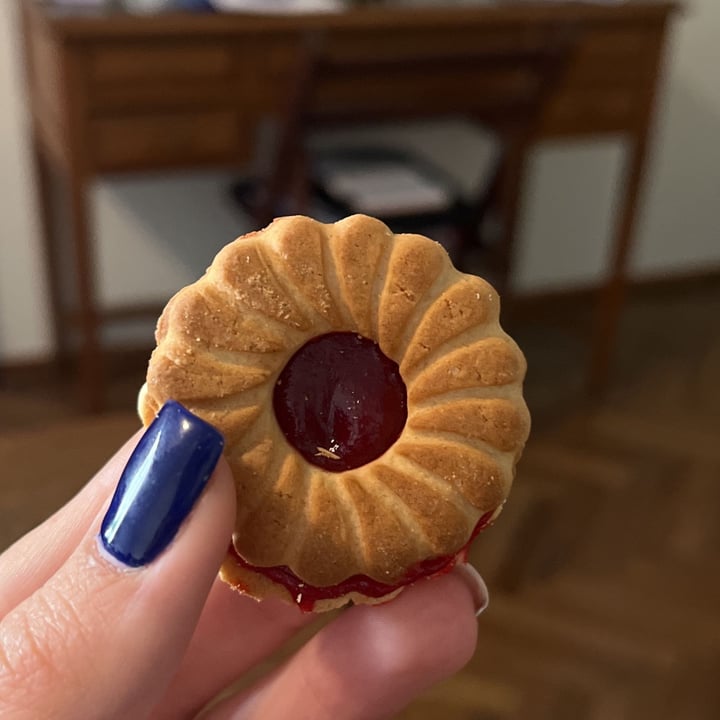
[28,564]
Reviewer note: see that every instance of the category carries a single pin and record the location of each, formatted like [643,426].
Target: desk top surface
[77,23]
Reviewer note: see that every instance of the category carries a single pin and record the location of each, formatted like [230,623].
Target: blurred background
[568,151]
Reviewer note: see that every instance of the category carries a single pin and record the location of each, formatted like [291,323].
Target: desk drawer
[605,86]
[620,57]
[147,62]
[592,110]
[128,143]
[139,78]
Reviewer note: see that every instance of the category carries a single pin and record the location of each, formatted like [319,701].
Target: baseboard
[526,307]
[46,371]
[19,373]
[549,303]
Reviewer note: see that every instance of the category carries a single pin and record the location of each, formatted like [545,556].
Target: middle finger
[235,633]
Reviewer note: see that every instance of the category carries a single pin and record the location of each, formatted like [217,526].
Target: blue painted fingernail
[159,486]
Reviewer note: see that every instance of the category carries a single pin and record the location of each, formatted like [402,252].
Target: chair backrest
[490,84]
[498,84]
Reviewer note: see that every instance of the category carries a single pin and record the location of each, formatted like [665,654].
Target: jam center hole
[340,401]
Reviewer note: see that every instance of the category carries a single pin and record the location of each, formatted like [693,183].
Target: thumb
[104,635]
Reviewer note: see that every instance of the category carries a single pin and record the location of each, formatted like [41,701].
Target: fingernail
[473,579]
[163,479]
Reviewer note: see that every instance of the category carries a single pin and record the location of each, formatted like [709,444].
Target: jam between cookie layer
[305,595]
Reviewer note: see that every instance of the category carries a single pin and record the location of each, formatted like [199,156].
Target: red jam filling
[340,401]
[307,595]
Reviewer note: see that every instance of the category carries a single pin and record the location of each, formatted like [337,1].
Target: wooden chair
[501,89]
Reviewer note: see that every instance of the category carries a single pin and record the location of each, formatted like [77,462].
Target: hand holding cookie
[112,608]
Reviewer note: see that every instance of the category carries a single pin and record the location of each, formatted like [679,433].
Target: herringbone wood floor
[604,568]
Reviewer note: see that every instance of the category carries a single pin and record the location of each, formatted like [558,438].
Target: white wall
[156,235]
[24,325]
[680,223]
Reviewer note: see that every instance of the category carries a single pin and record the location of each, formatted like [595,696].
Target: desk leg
[53,265]
[612,294]
[87,318]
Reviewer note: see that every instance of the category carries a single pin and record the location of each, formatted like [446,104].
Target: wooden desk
[111,92]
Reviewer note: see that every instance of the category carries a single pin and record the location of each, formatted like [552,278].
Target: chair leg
[510,189]
[300,184]
[470,235]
